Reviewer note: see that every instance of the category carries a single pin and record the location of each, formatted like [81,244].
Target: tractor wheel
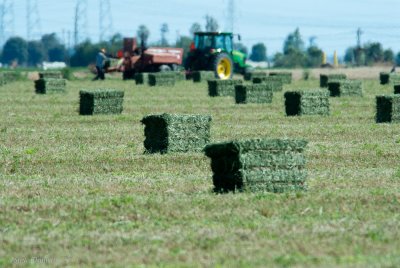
[223,66]
[164,68]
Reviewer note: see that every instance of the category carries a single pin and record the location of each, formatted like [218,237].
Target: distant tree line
[16,50]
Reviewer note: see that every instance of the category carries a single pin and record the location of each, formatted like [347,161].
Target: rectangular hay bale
[388,109]
[167,133]
[202,76]
[286,77]
[340,88]
[273,165]
[50,85]
[274,81]
[50,74]
[8,77]
[313,102]
[396,89]
[217,87]
[141,78]
[162,79]
[325,78]
[101,101]
[384,78]
[249,76]
[256,93]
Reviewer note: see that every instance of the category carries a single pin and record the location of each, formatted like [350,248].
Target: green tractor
[214,51]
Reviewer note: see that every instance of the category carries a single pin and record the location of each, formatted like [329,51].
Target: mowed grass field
[79,191]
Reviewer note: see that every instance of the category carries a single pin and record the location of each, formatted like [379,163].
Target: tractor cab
[214,51]
[213,41]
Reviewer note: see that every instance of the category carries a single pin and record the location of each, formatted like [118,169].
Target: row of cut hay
[346,87]
[166,133]
[313,102]
[324,79]
[50,85]
[162,79]
[202,76]
[217,87]
[388,108]
[256,93]
[273,81]
[273,165]
[101,101]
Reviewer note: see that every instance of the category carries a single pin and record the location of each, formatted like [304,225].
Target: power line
[231,16]
[6,20]
[33,26]
[80,21]
[105,20]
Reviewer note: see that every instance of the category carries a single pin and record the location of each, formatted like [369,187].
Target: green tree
[388,55]
[15,49]
[54,50]
[258,53]
[184,42]
[85,54]
[211,24]
[196,27]
[293,42]
[164,31]
[397,59]
[314,56]
[36,53]
[143,34]
[349,55]
[373,53]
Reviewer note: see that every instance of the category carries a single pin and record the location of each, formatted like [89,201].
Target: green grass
[78,190]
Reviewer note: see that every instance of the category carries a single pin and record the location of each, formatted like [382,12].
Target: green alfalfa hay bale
[167,133]
[141,78]
[325,78]
[256,93]
[50,85]
[162,79]
[274,81]
[396,89]
[340,88]
[217,87]
[249,76]
[180,76]
[9,77]
[384,78]
[312,102]
[101,101]
[286,77]
[394,78]
[50,74]
[201,76]
[388,109]
[273,165]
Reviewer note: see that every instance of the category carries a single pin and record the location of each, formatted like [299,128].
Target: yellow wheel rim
[224,69]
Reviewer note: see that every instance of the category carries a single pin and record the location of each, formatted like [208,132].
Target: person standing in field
[101,60]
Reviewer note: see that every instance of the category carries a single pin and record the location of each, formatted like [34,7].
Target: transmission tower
[231,17]
[105,20]
[6,20]
[33,27]
[80,21]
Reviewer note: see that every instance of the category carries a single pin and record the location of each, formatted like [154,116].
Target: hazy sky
[332,22]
